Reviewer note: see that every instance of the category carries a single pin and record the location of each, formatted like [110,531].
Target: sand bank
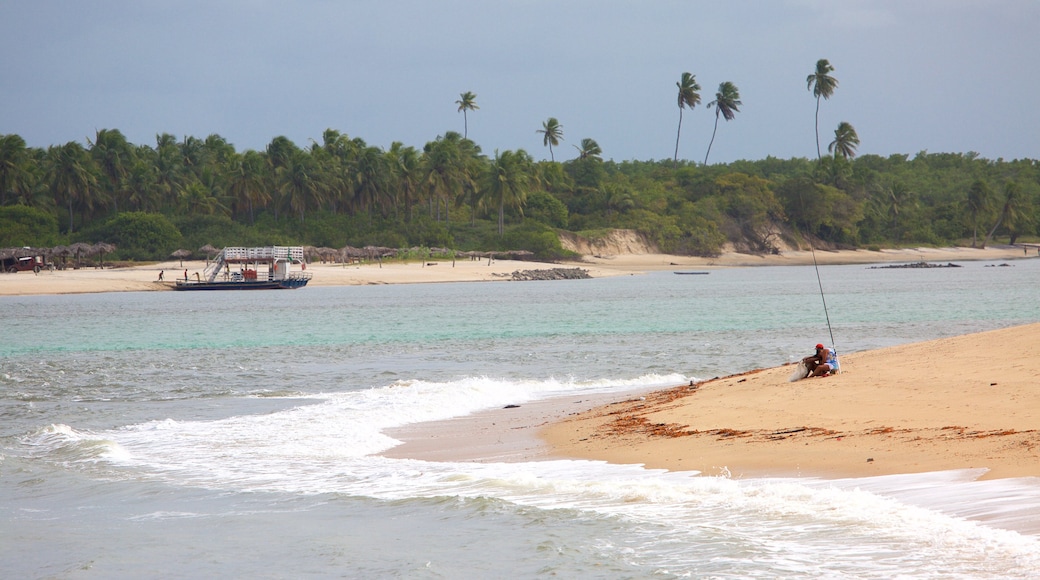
[964,402]
[144,278]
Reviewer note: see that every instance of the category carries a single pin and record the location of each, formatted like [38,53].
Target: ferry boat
[266,268]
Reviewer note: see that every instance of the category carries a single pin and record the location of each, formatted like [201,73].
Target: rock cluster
[918,265]
[552,274]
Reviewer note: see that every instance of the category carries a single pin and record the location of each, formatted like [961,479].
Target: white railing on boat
[294,253]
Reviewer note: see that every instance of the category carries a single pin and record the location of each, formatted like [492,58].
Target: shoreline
[922,407]
[144,278]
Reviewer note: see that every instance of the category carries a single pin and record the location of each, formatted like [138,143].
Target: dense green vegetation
[150,200]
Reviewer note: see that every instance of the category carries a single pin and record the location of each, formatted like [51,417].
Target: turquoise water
[237,434]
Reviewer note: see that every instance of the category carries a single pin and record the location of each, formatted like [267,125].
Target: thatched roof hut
[180,255]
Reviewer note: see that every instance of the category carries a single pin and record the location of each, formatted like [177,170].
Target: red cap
[819,346]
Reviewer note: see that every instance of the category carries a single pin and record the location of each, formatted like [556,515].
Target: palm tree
[113,156]
[168,168]
[15,174]
[589,149]
[405,168]
[822,85]
[980,200]
[448,169]
[466,102]
[298,183]
[508,180]
[552,132]
[371,180]
[689,96]
[247,184]
[845,141]
[1009,213]
[727,104]
[70,177]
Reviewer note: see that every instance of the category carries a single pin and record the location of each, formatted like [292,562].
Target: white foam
[328,447]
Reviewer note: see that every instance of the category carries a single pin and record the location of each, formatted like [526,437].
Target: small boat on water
[266,268]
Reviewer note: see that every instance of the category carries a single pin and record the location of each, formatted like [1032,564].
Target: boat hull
[244,285]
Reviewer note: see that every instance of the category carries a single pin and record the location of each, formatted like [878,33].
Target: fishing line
[822,297]
[819,281]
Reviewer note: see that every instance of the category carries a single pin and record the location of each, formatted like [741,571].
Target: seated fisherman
[823,363]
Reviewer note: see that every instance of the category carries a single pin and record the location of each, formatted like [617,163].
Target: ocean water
[190,435]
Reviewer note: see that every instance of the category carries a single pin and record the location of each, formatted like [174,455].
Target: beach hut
[180,255]
[102,248]
[80,249]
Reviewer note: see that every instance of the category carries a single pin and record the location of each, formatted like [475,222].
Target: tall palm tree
[727,104]
[980,201]
[448,169]
[247,185]
[114,157]
[689,96]
[1010,212]
[508,180]
[822,84]
[168,169]
[552,132]
[466,102]
[70,176]
[14,167]
[845,141]
[298,184]
[405,167]
[589,149]
[372,180]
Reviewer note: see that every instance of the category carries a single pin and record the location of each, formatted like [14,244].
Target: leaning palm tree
[845,141]
[822,85]
[589,149]
[466,102]
[552,132]
[689,96]
[727,104]
[1010,212]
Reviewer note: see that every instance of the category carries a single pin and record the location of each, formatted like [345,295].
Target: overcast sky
[935,75]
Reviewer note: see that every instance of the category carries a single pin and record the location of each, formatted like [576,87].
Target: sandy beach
[145,277]
[928,406]
[963,402]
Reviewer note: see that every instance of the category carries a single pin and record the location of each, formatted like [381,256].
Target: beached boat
[266,268]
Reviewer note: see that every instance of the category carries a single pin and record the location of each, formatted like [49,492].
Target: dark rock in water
[917,265]
[511,407]
[553,274]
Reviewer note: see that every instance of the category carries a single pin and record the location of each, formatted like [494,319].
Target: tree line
[150,199]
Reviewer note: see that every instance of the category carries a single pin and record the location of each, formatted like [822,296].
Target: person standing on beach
[823,363]
[185,274]
[160,275]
